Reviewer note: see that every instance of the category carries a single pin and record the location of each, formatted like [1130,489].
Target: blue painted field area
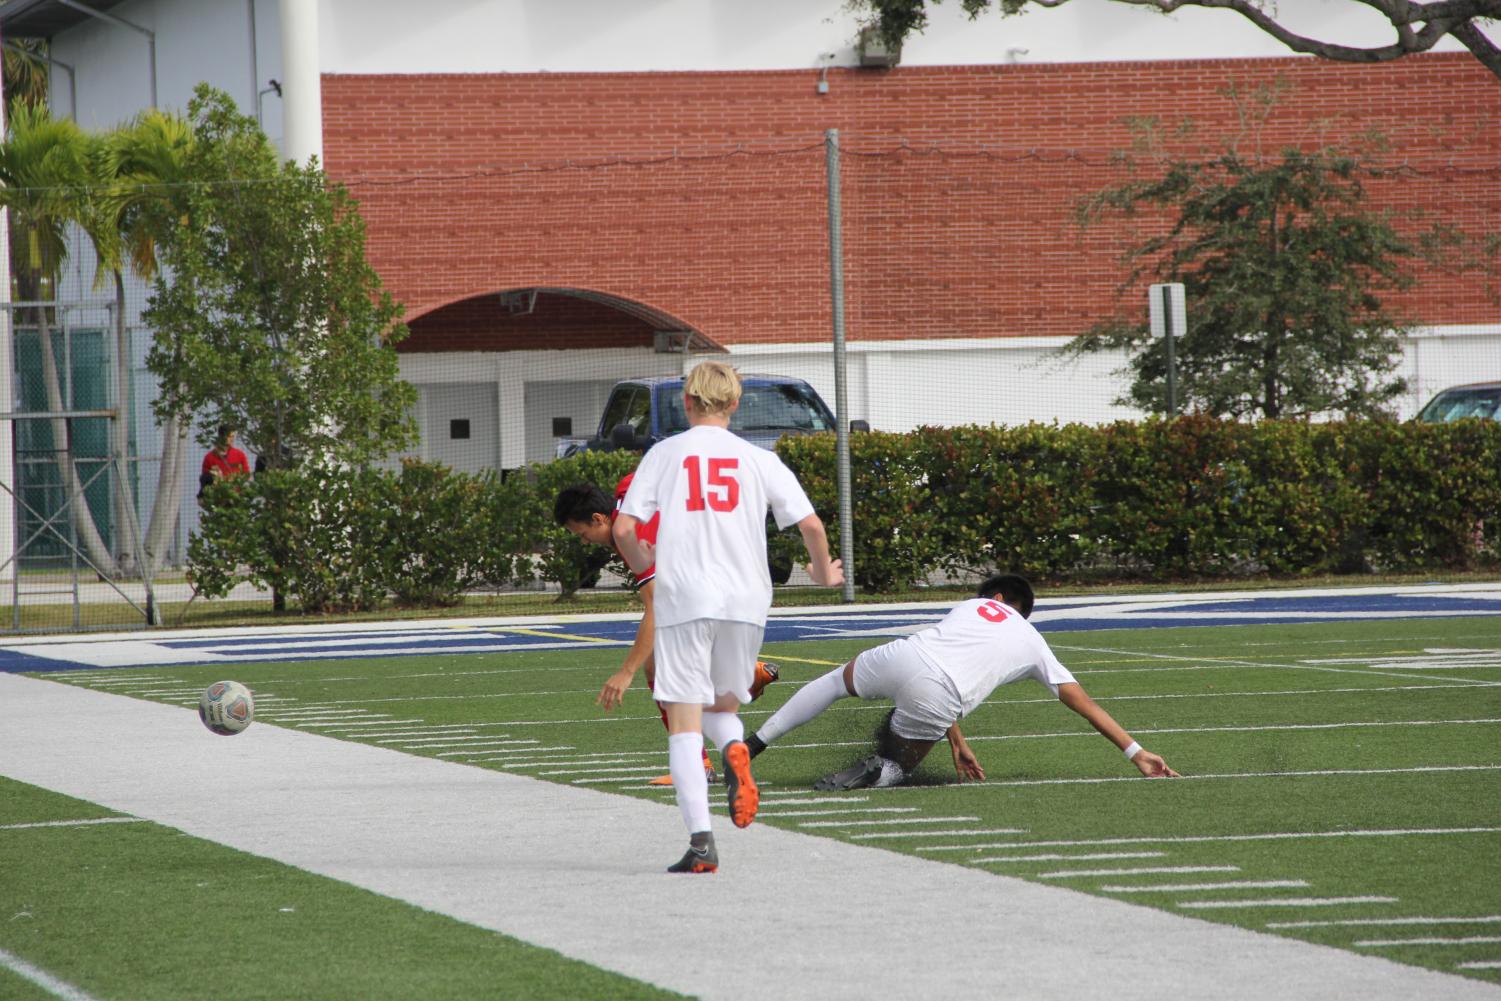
[146,649]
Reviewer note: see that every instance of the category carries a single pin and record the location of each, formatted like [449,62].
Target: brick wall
[702,195]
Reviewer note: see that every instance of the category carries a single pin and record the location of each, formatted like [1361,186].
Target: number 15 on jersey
[716,488]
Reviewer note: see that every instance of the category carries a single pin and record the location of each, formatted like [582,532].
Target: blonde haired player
[712,490]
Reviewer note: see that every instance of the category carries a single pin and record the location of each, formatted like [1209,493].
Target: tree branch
[1480,47]
[1439,18]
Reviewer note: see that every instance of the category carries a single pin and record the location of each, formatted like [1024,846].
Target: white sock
[891,774]
[810,700]
[722,728]
[685,758]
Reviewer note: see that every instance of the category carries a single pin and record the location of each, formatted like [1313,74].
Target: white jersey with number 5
[982,644]
[713,489]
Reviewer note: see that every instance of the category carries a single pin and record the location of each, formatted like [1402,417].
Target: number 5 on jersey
[721,491]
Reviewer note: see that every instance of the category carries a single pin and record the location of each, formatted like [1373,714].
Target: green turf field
[137,910]
[1342,785]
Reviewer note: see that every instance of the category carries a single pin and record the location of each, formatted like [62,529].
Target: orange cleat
[743,795]
[766,673]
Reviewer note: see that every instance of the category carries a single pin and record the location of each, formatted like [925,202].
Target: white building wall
[196,41]
[1437,358]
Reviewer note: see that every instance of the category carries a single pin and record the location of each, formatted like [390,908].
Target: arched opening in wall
[510,377]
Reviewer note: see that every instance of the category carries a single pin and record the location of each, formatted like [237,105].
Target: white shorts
[927,703]
[701,659]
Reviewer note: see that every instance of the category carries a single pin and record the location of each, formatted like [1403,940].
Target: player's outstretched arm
[825,571]
[965,762]
[1076,698]
[613,692]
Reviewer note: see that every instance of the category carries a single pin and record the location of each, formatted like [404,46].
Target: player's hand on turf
[613,693]
[830,575]
[966,764]
[1152,765]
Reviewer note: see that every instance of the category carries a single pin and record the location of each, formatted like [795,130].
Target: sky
[527,36]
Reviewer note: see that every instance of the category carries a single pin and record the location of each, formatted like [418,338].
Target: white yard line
[1355,922]
[1265,728]
[1396,832]
[875,823]
[772,811]
[1384,943]
[1237,884]
[449,742]
[550,864]
[1207,905]
[70,823]
[1219,776]
[1137,871]
[1061,857]
[46,981]
[506,757]
[987,831]
[1237,662]
[335,726]
[1090,734]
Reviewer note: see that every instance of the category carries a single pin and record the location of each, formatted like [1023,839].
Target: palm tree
[136,168]
[43,178]
[26,76]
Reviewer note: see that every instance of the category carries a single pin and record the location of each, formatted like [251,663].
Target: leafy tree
[1284,270]
[139,170]
[267,315]
[26,76]
[1416,26]
[43,178]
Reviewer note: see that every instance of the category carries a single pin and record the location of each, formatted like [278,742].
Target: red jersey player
[584,510]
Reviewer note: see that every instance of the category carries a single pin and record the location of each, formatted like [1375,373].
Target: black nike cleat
[861,775]
[704,859]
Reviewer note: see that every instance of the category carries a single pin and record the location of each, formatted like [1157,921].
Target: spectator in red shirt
[223,460]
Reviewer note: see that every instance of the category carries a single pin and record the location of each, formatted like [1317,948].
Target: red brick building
[698,201]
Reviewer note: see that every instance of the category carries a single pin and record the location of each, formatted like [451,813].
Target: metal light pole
[841,392]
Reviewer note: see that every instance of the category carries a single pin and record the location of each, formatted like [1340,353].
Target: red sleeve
[646,531]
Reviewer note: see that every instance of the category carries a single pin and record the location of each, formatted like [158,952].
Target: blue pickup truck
[641,412]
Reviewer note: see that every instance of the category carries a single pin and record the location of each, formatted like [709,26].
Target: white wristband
[1131,751]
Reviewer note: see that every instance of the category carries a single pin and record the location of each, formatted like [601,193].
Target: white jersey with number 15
[713,489]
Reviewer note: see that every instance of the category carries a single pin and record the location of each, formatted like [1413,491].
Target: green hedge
[352,540]
[1161,500]
[1152,500]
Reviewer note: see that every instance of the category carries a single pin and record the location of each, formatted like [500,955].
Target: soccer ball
[227,707]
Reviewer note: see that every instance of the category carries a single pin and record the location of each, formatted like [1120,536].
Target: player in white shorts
[712,490]
[940,675]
